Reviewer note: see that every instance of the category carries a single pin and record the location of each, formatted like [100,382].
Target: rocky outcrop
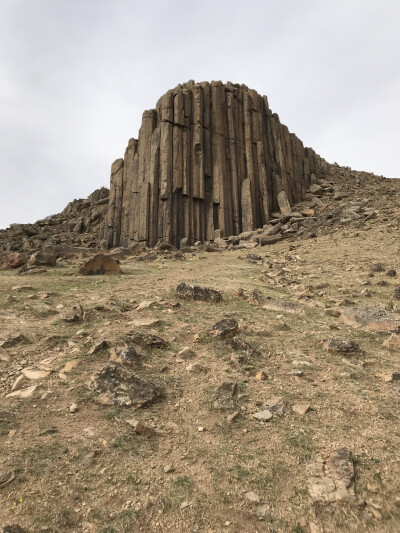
[210,157]
[79,225]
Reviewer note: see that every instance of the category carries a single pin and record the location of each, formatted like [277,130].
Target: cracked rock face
[211,157]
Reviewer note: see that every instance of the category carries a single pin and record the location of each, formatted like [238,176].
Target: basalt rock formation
[211,156]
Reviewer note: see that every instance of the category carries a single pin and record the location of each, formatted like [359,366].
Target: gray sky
[76,75]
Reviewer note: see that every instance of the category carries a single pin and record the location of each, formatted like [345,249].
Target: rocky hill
[244,383]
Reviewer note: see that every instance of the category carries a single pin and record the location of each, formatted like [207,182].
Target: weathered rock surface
[67,234]
[211,156]
[332,479]
[195,292]
[100,264]
[117,385]
[225,328]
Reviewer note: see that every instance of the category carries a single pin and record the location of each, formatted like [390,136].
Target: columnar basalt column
[211,156]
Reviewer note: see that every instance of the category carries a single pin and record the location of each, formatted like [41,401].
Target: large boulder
[100,264]
[42,259]
[11,260]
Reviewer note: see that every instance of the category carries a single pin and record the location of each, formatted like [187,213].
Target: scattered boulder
[117,385]
[146,339]
[225,328]
[393,343]
[100,345]
[301,408]
[225,395]
[332,478]
[371,319]
[14,528]
[240,345]
[283,203]
[396,293]
[391,273]
[197,293]
[266,239]
[35,374]
[263,416]
[378,267]
[100,264]
[253,258]
[186,353]
[276,406]
[284,306]
[254,296]
[12,260]
[315,189]
[14,340]
[338,344]
[39,259]
[76,315]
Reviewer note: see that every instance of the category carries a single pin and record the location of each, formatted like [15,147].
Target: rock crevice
[211,156]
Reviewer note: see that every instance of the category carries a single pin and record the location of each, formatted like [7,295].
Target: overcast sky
[76,75]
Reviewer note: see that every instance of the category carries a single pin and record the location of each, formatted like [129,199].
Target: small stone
[276,405]
[261,375]
[252,497]
[145,323]
[168,469]
[200,429]
[184,505]
[100,345]
[142,429]
[227,523]
[73,408]
[196,368]
[396,293]
[234,416]
[146,304]
[263,416]
[332,312]
[378,267]
[301,408]
[391,273]
[366,293]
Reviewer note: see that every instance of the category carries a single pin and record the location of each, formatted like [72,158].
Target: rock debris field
[246,385]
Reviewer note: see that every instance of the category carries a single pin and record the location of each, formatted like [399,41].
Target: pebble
[73,408]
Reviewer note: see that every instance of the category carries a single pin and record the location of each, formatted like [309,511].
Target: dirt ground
[89,471]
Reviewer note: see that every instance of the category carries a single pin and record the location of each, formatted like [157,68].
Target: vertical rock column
[210,156]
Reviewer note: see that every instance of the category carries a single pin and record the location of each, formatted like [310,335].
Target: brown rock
[39,259]
[12,260]
[393,343]
[225,328]
[194,292]
[116,384]
[209,157]
[332,479]
[100,264]
[337,344]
